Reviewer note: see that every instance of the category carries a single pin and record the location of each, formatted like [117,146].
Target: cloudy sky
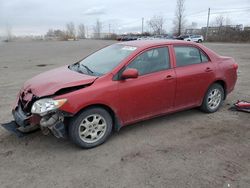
[35,17]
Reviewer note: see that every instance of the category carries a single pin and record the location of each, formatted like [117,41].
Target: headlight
[43,106]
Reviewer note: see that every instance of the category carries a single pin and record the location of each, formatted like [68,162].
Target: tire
[213,98]
[199,41]
[90,128]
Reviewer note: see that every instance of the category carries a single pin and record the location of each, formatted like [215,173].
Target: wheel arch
[116,120]
[223,84]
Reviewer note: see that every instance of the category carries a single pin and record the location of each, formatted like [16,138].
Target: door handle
[169,77]
[208,69]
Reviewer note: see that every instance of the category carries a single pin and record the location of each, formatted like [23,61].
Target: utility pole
[109,35]
[142,24]
[87,32]
[208,16]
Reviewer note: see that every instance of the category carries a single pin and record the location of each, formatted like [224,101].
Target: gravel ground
[186,149]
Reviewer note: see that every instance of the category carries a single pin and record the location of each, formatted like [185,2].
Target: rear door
[194,72]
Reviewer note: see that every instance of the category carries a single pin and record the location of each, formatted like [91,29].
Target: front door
[153,92]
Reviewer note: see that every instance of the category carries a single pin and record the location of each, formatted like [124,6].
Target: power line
[218,11]
[196,13]
[231,11]
[238,8]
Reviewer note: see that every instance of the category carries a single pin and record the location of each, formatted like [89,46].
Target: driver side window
[153,60]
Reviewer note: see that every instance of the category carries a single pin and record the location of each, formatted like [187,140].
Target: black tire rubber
[204,107]
[199,41]
[76,121]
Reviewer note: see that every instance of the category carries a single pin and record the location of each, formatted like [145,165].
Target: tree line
[73,33]
[156,24]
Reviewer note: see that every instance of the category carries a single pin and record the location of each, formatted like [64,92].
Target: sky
[35,17]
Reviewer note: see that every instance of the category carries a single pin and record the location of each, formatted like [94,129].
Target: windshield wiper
[87,68]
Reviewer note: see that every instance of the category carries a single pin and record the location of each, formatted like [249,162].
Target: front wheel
[213,98]
[90,128]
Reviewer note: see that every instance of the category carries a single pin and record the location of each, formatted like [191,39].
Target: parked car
[193,38]
[122,84]
[126,38]
[156,37]
[182,37]
[197,38]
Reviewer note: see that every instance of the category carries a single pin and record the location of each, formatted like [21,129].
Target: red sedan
[122,84]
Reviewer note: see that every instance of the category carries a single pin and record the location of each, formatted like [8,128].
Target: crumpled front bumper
[13,128]
[26,123]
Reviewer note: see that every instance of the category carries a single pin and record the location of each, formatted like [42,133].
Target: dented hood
[49,82]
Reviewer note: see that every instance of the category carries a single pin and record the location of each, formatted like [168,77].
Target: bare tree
[81,31]
[97,29]
[50,33]
[220,20]
[223,30]
[59,34]
[56,35]
[228,21]
[156,24]
[179,21]
[70,30]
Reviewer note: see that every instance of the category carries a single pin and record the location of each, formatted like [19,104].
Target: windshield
[104,60]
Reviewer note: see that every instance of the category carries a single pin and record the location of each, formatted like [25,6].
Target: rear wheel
[213,98]
[90,128]
[199,41]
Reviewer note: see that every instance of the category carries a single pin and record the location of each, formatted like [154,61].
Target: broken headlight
[46,105]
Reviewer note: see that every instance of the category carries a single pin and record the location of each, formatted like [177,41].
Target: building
[216,29]
[193,31]
[247,28]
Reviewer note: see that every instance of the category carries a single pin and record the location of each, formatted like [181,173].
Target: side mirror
[130,73]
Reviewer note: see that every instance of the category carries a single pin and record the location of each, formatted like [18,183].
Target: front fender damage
[54,123]
[26,122]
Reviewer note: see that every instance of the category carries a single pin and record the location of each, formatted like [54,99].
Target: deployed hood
[50,82]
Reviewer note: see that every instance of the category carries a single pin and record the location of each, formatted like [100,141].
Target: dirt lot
[186,149]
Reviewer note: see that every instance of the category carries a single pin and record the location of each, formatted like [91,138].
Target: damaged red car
[122,84]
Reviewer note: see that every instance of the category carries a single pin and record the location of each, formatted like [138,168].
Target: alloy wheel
[92,128]
[214,99]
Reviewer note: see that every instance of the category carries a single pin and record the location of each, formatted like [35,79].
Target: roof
[149,43]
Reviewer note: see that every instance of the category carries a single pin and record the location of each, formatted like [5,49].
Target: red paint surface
[49,82]
[144,97]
